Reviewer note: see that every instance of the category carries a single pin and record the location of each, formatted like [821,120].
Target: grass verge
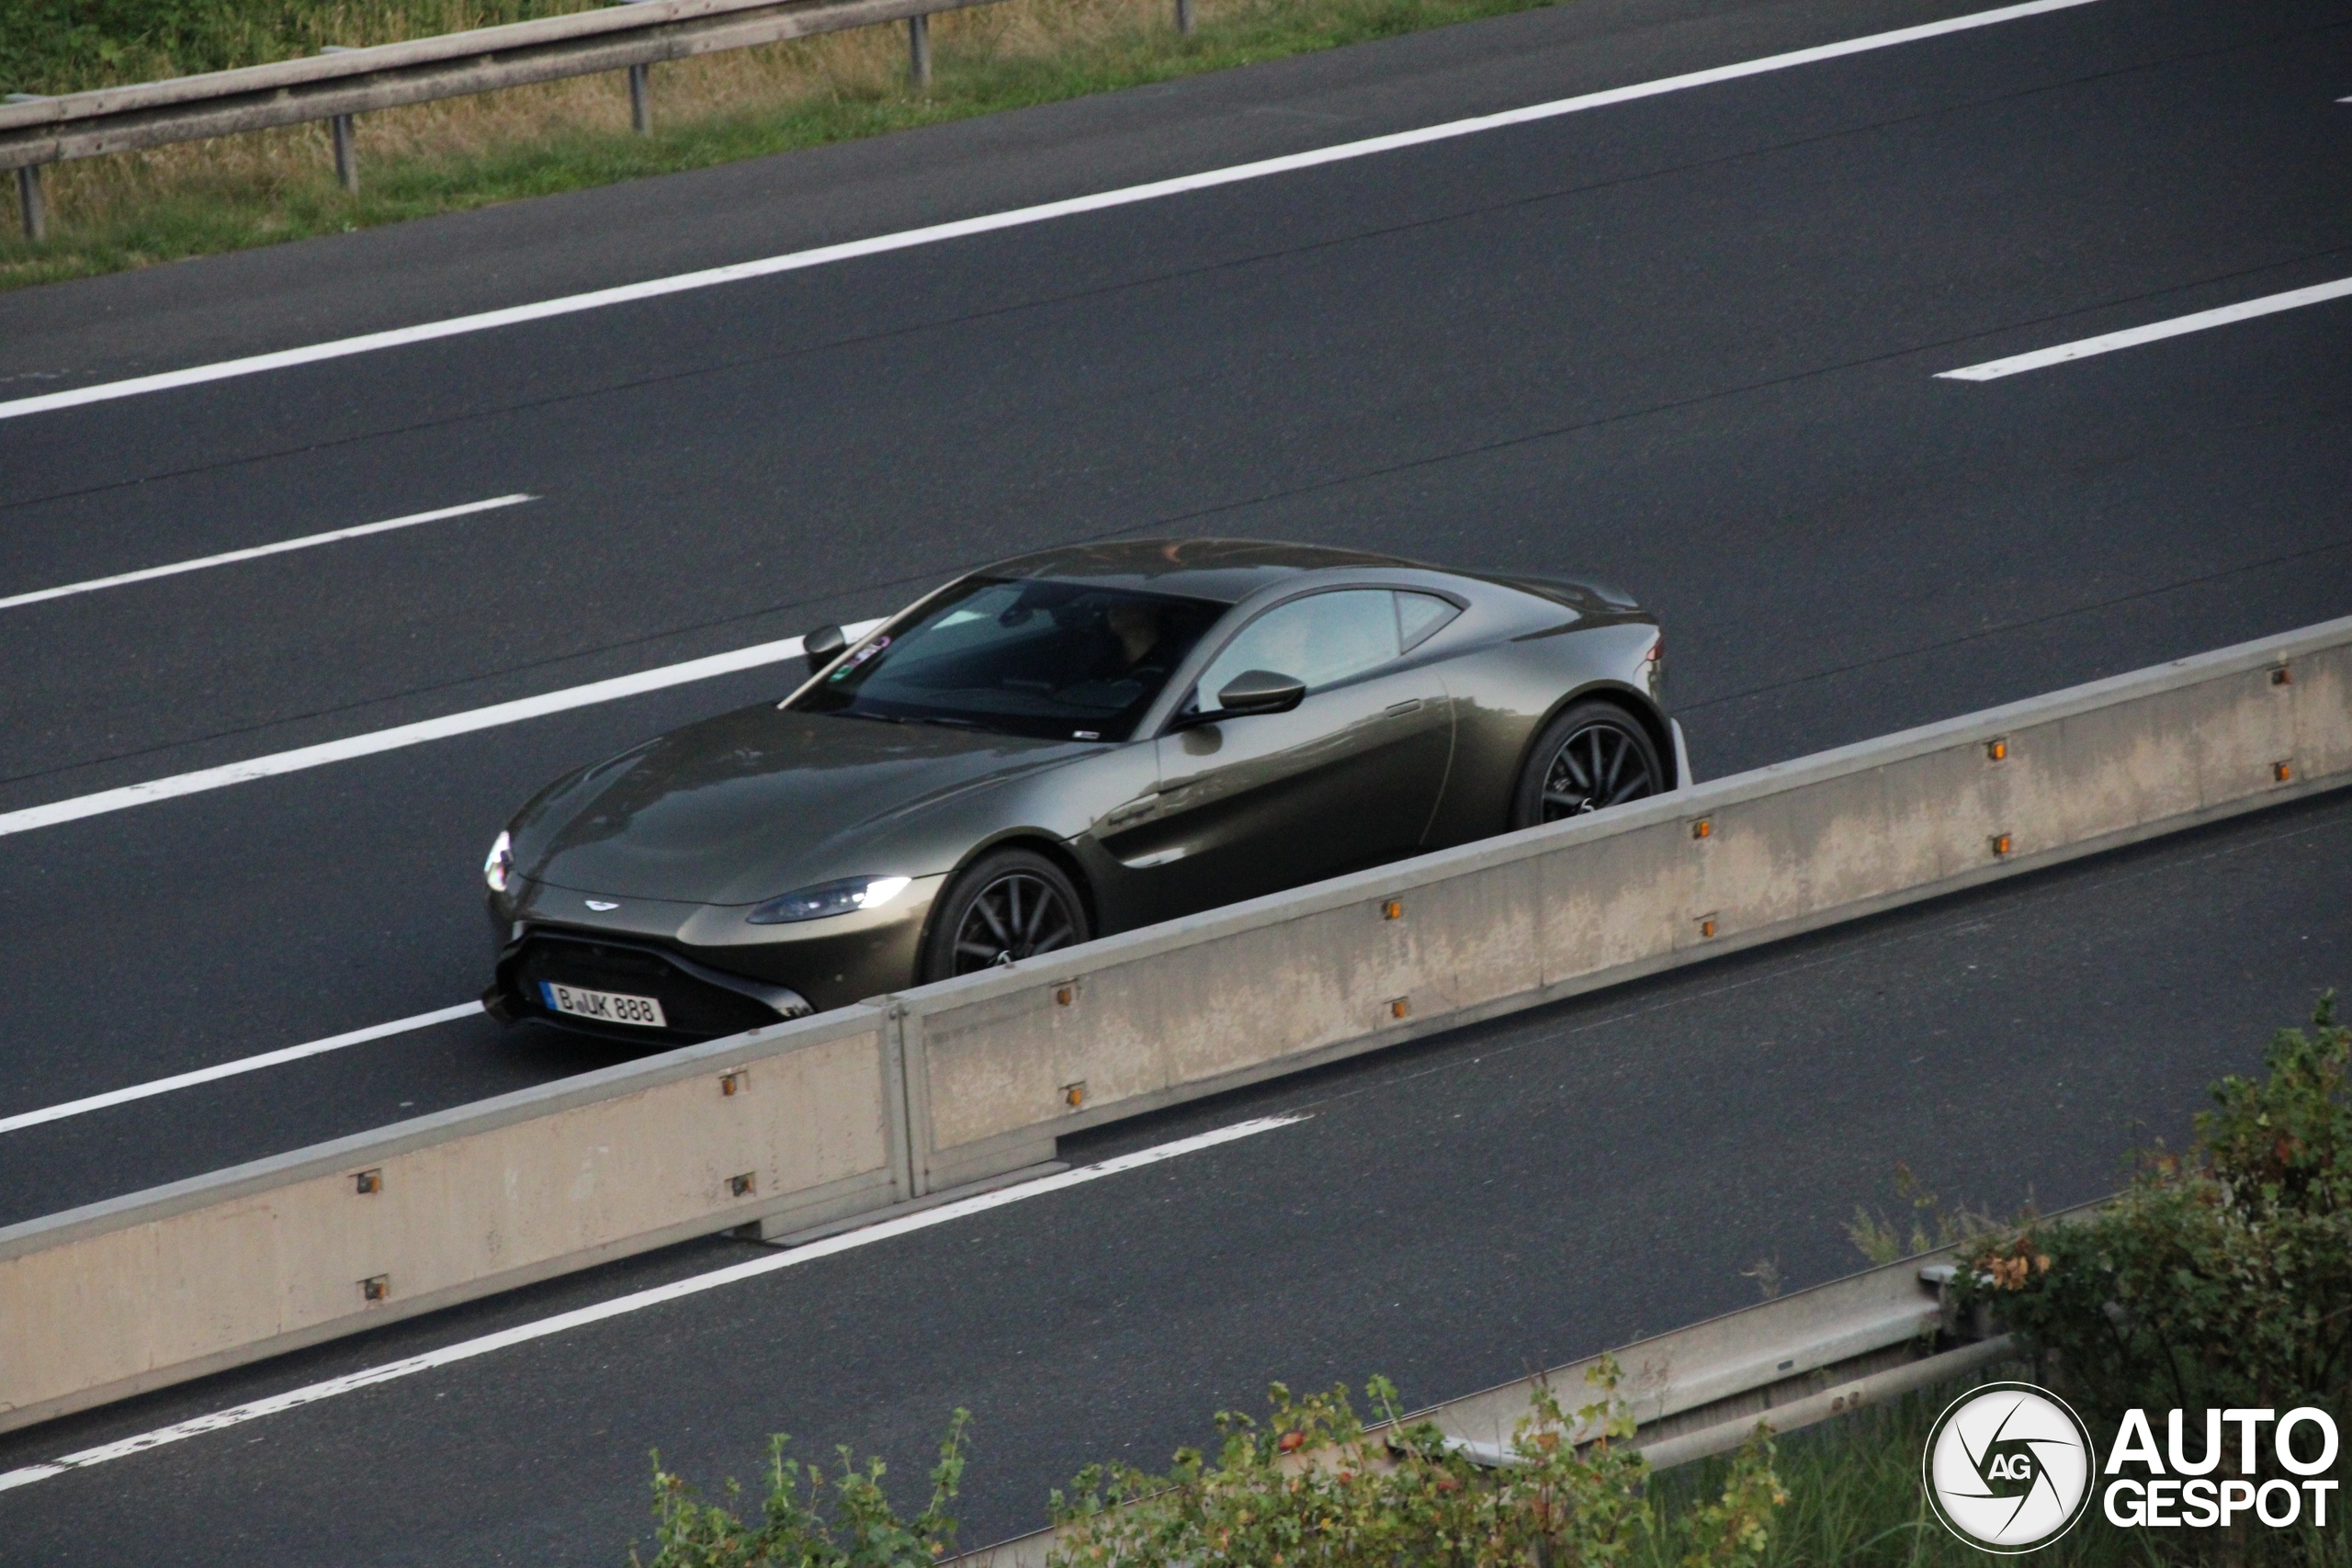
[197,199]
[1855,1501]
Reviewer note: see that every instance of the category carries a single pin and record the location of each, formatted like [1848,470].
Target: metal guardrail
[928,1092]
[337,83]
[1791,1362]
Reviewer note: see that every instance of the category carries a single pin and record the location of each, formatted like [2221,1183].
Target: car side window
[1420,616]
[1321,639]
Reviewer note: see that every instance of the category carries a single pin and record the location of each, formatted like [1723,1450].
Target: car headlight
[851,892]
[501,863]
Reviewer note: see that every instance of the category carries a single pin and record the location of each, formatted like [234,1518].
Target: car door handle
[1410,705]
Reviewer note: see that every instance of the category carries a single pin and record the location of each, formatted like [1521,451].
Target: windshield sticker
[860,656]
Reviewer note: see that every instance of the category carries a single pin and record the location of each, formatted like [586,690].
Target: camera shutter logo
[2008,1468]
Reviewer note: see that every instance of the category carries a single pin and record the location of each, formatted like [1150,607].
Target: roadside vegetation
[2218,1276]
[133,209]
[2222,1276]
[1855,1501]
[1306,1486]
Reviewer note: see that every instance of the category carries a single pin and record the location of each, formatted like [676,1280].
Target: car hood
[755,802]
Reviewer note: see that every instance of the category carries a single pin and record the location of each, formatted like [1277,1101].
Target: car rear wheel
[1010,905]
[1593,756]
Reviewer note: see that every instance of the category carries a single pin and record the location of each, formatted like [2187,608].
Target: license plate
[604,1006]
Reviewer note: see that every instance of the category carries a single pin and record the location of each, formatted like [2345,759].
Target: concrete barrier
[796,1124]
[1000,1066]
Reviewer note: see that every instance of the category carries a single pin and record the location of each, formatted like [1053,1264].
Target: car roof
[1224,570]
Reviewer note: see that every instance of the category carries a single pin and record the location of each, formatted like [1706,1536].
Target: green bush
[2219,1278]
[63,46]
[797,1528]
[1311,1486]
[1309,1489]
[1855,1501]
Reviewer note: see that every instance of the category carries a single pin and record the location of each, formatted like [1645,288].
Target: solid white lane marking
[399,735]
[619,1307]
[231,1069]
[1019,216]
[2131,337]
[225,557]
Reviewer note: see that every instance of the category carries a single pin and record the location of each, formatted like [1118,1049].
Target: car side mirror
[1261,691]
[822,647]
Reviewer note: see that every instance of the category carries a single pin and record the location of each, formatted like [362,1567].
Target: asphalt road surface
[1691,342]
[1452,1214]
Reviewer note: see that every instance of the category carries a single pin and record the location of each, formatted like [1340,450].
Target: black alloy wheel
[1593,756]
[1012,905]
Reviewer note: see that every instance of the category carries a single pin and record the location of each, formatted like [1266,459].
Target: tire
[1592,757]
[1009,905]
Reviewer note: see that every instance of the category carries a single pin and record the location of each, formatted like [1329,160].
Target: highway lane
[1451,1213]
[1431,309]
[1840,552]
[1691,342]
[521,251]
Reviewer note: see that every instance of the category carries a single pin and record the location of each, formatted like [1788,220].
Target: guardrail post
[640,112]
[30,205]
[919,49]
[346,167]
[346,163]
[1183,16]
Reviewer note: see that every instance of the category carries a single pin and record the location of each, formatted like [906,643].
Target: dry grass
[862,65]
[129,210]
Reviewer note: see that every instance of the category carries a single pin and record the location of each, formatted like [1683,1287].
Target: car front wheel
[1010,905]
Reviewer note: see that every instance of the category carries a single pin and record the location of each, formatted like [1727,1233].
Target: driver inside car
[1137,630]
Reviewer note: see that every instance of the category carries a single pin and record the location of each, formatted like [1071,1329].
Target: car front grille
[692,1005]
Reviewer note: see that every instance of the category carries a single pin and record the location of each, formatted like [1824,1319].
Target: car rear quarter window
[1420,616]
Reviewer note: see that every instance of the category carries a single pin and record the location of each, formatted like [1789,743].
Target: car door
[1348,778]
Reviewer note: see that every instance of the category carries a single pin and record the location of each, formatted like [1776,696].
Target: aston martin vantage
[1058,747]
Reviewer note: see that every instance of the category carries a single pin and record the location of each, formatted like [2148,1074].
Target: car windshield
[1061,661]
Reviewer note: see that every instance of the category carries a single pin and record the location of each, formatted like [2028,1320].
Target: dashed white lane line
[621,1306]
[2131,337]
[148,574]
[121,799]
[935,233]
[231,1069]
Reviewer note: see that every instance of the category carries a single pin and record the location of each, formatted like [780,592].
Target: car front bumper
[714,973]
